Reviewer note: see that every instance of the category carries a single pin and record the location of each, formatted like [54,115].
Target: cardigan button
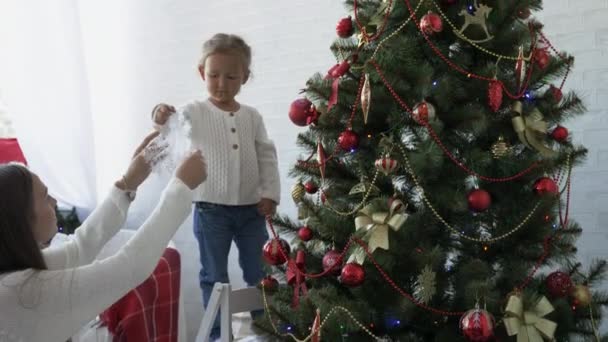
[231,114]
[233,130]
[235,146]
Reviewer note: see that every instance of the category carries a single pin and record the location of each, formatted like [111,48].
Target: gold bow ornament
[531,130]
[376,226]
[529,325]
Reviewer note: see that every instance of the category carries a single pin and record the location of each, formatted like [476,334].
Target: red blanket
[10,151]
[150,311]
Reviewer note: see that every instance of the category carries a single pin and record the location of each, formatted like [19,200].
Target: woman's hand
[140,166]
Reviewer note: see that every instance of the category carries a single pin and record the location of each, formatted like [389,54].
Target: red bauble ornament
[545,186]
[423,112]
[560,134]
[477,325]
[305,233]
[332,260]
[542,58]
[352,275]
[558,284]
[344,28]
[302,112]
[348,140]
[431,23]
[495,95]
[311,187]
[479,200]
[270,284]
[339,70]
[272,254]
[557,93]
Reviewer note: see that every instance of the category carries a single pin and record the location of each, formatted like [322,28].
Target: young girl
[49,294]
[243,184]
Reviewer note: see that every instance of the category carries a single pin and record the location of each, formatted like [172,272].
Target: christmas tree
[434,183]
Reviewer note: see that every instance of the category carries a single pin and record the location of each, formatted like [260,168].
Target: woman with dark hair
[48,294]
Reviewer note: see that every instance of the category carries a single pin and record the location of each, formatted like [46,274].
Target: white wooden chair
[230,302]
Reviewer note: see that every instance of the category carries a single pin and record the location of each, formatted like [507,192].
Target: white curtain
[73,82]
[45,89]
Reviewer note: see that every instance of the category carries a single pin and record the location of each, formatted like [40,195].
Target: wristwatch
[130,195]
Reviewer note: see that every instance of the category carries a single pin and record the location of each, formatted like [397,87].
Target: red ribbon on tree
[295,277]
[335,73]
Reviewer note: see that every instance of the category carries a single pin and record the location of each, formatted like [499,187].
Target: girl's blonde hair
[227,43]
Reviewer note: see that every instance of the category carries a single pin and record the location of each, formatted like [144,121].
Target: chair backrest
[245,300]
[10,151]
[230,302]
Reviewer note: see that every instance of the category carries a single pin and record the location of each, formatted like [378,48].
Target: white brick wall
[581,28]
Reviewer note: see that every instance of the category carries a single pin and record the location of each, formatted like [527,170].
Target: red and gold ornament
[558,284]
[431,23]
[423,112]
[332,262]
[352,275]
[316,328]
[272,253]
[311,187]
[270,284]
[386,165]
[348,140]
[520,68]
[321,158]
[559,134]
[302,112]
[477,325]
[545,186]
[479,200]
[495,95]
[344,28]
[305,233]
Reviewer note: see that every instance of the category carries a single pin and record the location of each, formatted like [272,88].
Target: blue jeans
[215,226]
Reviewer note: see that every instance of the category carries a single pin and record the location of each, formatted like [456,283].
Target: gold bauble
[581,296]
[297,192]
